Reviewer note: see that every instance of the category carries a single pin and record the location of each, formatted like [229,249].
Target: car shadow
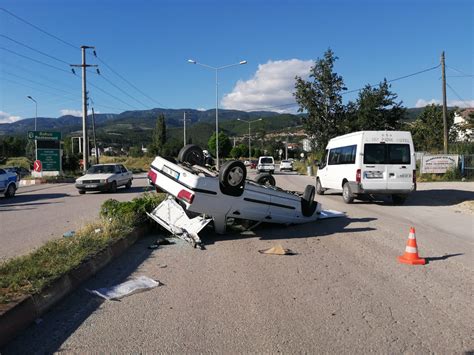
[315,229]
[19,200]
[449,197]
[57,325]
[439,258]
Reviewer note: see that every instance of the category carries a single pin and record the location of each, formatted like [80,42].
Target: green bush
[131,213]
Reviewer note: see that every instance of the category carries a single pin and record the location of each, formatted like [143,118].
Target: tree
[235,152]
[321,99]
[224,145]
[159,136]
[377,109]
[428,129]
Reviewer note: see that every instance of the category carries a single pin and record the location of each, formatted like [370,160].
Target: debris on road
[277,250]
[324,214]
[69,234]
[139,284]
[160,241]
[171,216]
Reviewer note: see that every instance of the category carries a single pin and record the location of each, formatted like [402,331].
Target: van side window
[324,160]
[342,155]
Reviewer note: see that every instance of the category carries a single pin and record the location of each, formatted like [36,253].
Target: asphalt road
[39,213]
[343,291]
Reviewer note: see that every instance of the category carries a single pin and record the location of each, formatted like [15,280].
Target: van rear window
[382,153]
[266,160]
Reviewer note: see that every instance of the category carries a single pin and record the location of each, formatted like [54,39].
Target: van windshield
[382,153]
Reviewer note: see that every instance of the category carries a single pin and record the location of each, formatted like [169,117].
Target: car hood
[94,177]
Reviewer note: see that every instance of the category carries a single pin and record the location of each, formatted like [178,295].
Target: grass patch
[302,167]
[31,273]
[137,165]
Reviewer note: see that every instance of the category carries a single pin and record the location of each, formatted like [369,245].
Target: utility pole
[184,133]
[84,106]
[445,107]
[286,146]
[93,136]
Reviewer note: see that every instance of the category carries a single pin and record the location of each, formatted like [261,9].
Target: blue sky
[149,42]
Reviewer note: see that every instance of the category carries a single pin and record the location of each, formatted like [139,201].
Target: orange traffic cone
[411,251]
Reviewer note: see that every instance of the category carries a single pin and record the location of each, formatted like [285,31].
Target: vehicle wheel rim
[346,192]
[235,176]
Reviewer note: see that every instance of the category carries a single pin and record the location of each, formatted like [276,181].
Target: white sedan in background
[104,177]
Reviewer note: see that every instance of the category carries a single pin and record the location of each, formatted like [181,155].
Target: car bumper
[93,187]
[357,189]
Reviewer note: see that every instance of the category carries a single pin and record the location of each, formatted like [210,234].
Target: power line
[32,87]
[459,71]
[35,60]
[38,83]
[458,96]
[33,49]
[396,79]
[129,83]
[119,88]
[39,29]
[115,97]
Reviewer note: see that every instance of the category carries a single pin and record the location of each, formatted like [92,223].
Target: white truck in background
[369,162]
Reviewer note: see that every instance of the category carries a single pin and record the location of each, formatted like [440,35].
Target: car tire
[113,186]
[191,154]
[128,184]
[265,179]
[347,195]
[232,177]
[319,188]
[308,205]
[81,192]
[10,191]
[398,200]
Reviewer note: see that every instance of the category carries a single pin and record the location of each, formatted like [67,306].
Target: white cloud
[273,84]
[451,103]
[7,118]
[201,109]
[77,113]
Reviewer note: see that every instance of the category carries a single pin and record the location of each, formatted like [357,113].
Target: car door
[3,179]
[323,170]
[124,174]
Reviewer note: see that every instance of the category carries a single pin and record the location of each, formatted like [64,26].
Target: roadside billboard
[438,164]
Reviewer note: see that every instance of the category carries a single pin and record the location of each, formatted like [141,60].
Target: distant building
[144,149]
[465,133]
[306,143]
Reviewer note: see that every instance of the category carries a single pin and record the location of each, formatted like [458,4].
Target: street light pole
[249,122]
[191,61]
[36,109]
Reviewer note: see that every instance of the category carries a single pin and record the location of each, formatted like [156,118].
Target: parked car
[8,183]
[266,164]
[104,177]
[369,162]
[19,170]
[228,195]
[286,165]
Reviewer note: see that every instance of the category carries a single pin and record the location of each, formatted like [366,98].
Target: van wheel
[398,200]
[319,188]
[347,195]
[232,178]
[191,154]
[10,191]
[265,179]
[308,205]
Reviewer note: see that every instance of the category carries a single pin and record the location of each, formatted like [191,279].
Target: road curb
[20,314]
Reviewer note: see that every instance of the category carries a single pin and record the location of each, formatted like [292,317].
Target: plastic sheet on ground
[324,214]
[127,288]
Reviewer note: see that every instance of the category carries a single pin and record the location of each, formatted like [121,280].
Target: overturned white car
[224,196]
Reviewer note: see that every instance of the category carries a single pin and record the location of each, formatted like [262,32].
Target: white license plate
[171,172]
[373,174]
[91,186]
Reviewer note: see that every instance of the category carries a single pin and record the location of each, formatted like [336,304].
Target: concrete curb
[20,314]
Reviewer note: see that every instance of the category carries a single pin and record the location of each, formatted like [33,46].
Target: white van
[266,164]
[369,162]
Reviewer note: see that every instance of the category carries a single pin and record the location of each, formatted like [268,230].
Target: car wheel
[128,184]
[113,187]
[398,200]
[308,205]
[347,193]
[319,188]
[10,191]
[265,179]
[81,192]
[232,178]
[191,154]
